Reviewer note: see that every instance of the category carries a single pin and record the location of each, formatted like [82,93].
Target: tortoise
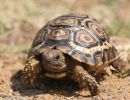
[73,46]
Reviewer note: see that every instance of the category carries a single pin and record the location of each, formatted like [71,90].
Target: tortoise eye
[84,38]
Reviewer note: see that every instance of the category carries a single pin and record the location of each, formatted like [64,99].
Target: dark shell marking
[78,36]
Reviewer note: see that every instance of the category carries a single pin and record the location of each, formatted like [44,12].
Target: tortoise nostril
[57,57]
[53,56]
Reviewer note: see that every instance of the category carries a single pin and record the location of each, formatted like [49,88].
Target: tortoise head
[54,63]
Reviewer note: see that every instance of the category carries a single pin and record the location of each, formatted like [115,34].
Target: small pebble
[125,98]
[16,93]
[9,98]
[21,98]
[10,91]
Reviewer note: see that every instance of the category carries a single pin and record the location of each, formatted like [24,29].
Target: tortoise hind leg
[85,80]
[119,65]
[31,73]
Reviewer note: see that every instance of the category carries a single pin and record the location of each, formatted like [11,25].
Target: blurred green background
[21,19]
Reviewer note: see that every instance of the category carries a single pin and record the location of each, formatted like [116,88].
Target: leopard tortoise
[70,46]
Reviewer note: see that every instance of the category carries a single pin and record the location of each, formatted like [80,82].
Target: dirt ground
[12,61]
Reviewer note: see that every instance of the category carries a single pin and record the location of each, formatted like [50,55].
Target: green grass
[123,74]
[111,2]
[23,48]
[33,9]
[14,48]
[30,12]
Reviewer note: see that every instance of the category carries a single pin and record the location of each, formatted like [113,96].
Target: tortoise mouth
[55,75]
[56,72]
[56,69]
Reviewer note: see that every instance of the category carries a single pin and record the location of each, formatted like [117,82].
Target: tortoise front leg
[31,73]
[85,80]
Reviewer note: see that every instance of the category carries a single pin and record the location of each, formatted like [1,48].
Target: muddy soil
[11,88]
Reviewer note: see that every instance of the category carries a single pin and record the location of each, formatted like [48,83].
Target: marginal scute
[98,58]
[35,51]
[105,55]
[44,48]
[88,59]
[112,53]
[65,49]
[77,55]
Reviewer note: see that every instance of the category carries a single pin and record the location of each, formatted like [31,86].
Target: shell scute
[96,29]
[64,21]
[59,34]
[83,38]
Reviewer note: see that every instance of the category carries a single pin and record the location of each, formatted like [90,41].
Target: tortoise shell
[79,36]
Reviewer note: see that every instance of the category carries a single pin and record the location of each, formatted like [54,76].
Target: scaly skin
[31,73]
[119,65]
[85,80]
